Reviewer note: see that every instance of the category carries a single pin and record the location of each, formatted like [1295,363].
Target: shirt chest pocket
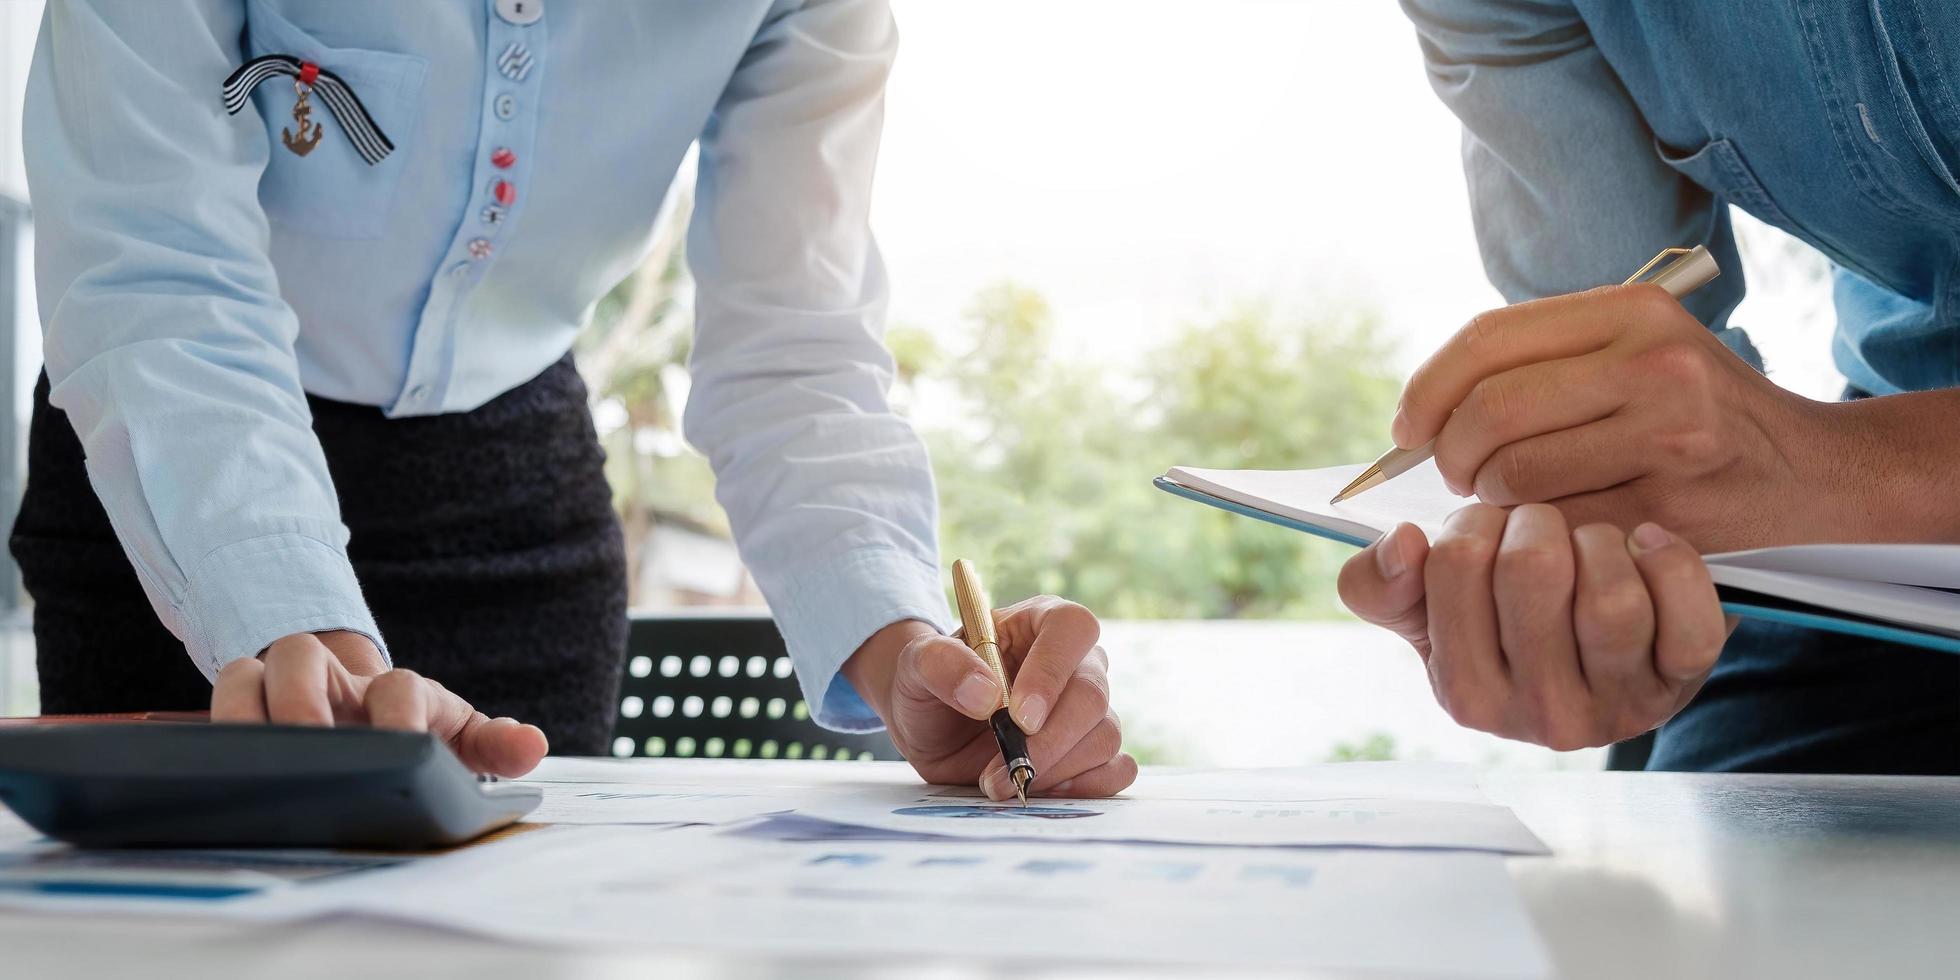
[1717,167]
[330,191]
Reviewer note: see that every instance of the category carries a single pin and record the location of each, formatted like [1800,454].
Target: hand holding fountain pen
[1691,269]
[977,628]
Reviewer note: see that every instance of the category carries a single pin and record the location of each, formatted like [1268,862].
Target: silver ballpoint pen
[1686,270]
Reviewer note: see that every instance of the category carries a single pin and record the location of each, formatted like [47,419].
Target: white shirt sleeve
[829,491]
[167,343]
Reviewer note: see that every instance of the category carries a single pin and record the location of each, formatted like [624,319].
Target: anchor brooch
[308,78]
[302,109]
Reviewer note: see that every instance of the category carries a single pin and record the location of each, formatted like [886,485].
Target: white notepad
[1904,592]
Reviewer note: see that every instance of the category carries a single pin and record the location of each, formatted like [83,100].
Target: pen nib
[1369,479]
[1021,780]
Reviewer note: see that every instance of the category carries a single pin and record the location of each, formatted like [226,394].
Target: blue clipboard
[1731,602]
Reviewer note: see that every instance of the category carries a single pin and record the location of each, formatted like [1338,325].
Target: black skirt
[485,543]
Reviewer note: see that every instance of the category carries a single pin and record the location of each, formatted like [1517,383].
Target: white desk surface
[1653,875]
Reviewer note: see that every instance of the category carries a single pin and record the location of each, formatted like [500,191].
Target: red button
[503,158]
[505,192]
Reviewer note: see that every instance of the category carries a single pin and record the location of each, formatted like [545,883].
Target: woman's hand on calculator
[339,678]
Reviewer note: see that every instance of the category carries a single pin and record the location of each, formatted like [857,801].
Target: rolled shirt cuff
[245,595]
[826,609]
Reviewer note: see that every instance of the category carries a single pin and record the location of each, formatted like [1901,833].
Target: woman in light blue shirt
[346,306]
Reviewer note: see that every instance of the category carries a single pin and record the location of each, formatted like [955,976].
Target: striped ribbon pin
[372,144]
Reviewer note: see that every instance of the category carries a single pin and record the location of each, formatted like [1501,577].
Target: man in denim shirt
[1597,132]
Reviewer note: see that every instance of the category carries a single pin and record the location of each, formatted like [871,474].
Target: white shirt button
[520,12]
[418,392]
[506,106]
[516,61]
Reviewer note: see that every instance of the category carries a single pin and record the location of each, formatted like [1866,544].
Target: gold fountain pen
[1691,269]
[977,626]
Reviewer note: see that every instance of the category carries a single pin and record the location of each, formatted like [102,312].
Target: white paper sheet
[15,832]
[1932,566]
[1360,821]
[594,791]
[1927,609]
[1405,780]
[1418,496]
[1443,914]
[671,791]
[47,876]
[751,775]
[628,803]
[38,874]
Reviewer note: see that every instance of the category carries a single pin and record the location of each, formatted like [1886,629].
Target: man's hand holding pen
[936,696]
[1617,406]
[1624,439]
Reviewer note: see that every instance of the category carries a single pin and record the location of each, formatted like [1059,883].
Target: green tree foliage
[1047,481]
[1377,747]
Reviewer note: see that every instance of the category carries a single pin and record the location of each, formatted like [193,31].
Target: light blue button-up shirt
[1596,132]
[197,278]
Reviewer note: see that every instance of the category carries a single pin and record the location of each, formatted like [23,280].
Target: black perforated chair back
[721,687]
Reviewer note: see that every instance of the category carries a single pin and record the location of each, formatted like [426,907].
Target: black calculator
[167,784]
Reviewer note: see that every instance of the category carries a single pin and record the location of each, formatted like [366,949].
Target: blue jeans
[1787,699]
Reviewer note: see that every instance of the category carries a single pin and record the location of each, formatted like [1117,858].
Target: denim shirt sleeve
[1567,189]
[166,341]
[829,491]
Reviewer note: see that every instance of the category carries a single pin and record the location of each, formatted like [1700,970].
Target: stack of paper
[1401,912]
[1332,867]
